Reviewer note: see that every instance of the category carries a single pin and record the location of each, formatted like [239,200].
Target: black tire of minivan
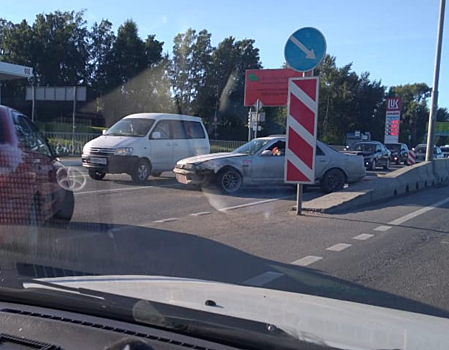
[96,174]
[141,172]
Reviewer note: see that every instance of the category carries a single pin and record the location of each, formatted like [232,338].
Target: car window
[163,127]
[319,151]
[2,132]
[194,130]
[378,148]
[30,137]
[178,129]
[364,147]
[277,148]
[135,127]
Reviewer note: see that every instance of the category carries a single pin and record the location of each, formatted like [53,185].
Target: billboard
[392,120]
[268,85]
[59,93]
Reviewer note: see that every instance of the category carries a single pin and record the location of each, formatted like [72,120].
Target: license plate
[181,178]
[98,160]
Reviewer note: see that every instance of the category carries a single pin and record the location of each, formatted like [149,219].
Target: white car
[145,143]
[420,152]
[261,162]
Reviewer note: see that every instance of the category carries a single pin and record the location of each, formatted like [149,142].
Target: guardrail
[74,143]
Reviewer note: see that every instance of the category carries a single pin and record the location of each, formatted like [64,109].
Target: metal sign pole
[250,124]
[257,118]
[33,101]
[73,120]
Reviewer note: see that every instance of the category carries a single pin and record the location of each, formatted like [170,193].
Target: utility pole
[436,77]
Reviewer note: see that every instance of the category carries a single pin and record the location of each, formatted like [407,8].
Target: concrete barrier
[399,182]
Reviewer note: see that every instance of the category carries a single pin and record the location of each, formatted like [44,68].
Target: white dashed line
[307,260]
[254,203]
[418,212]
[339,247]
[363,237]
[115,190]
[165,220]
[382,228]
[263,279]
[201,213]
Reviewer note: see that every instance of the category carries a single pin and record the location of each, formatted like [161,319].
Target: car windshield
[394,147]
[131,127]
[364,147]
[207,174]
[252,147]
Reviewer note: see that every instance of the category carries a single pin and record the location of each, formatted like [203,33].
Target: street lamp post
[436,77]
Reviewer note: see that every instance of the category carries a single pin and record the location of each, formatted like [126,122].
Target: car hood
[360,153]
[105,141]
[310,318]
[211,156]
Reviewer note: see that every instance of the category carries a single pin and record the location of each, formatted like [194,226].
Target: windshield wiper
[210,326]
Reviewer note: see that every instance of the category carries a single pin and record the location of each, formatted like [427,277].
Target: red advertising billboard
[268,85]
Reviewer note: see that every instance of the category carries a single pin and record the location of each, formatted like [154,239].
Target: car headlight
[86,150]
[189,166]
[125,151]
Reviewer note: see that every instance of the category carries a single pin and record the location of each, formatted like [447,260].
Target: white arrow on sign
[309,53]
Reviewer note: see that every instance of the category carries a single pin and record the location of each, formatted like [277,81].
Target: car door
[322,161]
[183,146]
[161,145]
[268,164]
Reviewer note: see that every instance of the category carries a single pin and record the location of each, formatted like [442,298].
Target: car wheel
[387,165]
[373,165]
[229,180]
[96,175]
[333,180]
[65,213]
[156,174]
[141,172]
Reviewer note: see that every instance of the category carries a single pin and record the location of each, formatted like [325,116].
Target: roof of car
[373,142]
[157,116]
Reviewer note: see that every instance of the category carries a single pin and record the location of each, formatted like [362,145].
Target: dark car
[29,171]
[374,153]
[399,152]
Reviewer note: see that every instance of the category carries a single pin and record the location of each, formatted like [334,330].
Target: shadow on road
[97,249]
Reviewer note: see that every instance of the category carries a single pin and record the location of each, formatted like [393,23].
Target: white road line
[418,212]
[254,203]
[363,237]
[165,220]
[263,279]
[115,190]
[307,260]
[339,247]
[382,228]
[201,213]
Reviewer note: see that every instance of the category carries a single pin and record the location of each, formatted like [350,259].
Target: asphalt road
[392,254]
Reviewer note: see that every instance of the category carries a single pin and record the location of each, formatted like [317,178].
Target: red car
[29,171]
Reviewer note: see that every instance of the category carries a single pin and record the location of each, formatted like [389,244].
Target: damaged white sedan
[261,162]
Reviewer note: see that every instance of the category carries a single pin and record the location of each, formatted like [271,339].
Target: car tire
[96,174]
[65,213]
[387,165]
[156,174]
[373,165]
[141,172]
[333,180]
[229,180]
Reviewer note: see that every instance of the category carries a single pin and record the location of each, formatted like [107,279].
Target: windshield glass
[394,147]
[221,168]
[252,147]
[364,147]
[131,127]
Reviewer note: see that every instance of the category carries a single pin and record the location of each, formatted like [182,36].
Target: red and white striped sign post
[411,159]
[302,119]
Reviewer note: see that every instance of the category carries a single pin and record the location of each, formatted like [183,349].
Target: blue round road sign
[305,49]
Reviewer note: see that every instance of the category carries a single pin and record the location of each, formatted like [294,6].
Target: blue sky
[394,40]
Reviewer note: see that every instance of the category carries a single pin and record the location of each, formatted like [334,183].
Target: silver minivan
[145,143]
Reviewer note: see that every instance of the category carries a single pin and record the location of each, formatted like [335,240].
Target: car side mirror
[156,135]
[103,132]
[266,153]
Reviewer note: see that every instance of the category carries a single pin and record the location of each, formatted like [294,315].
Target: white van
[145,143]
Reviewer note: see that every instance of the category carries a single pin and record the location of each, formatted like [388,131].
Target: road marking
[307,260]
[363,237]
[339,247]
[382,228]
[201,213]
[254,203]
[418,212]
[263,279]
[165,220]
[115,190]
